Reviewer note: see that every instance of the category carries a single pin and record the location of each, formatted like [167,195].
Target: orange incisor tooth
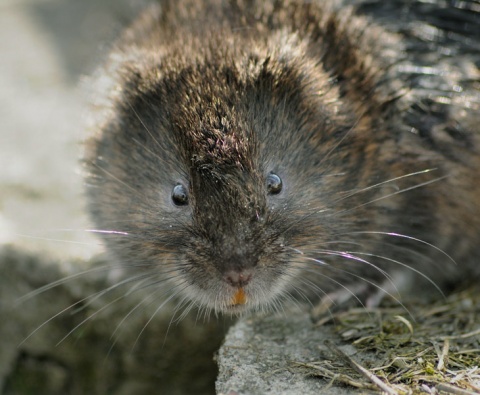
[239,297]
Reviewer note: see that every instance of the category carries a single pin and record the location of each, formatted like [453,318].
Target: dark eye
[180,195]
[274,184]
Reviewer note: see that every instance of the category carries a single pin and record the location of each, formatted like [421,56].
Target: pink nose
[238,278]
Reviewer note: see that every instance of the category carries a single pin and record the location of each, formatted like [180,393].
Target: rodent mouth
[240,298]
[238,304]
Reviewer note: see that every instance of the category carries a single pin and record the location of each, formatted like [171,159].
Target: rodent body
[249,152]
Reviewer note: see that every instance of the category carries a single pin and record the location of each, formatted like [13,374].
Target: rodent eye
[180,195]
[274,184]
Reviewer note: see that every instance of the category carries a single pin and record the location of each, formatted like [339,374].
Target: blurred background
[48,48]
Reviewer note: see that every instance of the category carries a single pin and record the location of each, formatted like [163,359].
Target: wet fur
[379,159]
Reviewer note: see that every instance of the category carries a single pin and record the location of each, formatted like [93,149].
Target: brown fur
[216,95]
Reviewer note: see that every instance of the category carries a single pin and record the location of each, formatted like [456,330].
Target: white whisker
[390,195]
[56,240]
[143,124]
[393,234]
[61,281]
[109,232]
[172,296]
[384,183]
[403,265]
[115,178]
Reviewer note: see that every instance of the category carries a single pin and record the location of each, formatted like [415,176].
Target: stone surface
[74,338]
[259,357]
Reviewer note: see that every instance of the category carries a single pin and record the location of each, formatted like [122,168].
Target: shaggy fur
[372,128]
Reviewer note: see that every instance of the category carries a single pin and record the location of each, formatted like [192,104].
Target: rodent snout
[238,278]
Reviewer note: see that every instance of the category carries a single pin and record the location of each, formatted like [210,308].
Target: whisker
[61,281]
[348,255]
[280,305]
[339,284]
[404,265]
[173,295]
[384,182]
[92,298]
[201,310]
[115,178]
[316,272]
[368,282]
[313,286]
[300,220]
[190,305]
[302,294]
[148,149]
[288,296]
[93,315]
[51,319]
[88,298]
[302,253]
[323,263]
[340,141]
[132,310]
[184,301]
[405,249]
[109,232]
[393,234]
[390,195]
[143,124]
[56,240]
[323,209]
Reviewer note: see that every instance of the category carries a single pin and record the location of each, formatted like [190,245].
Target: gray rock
[259,356]
[74,339]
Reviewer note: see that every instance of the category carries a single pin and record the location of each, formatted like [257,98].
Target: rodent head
[210,168]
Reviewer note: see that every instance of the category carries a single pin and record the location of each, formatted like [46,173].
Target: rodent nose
[238,278]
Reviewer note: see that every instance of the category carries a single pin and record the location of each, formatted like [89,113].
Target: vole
[251,153]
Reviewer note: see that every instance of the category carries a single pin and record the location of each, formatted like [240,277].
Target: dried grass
[432,349]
